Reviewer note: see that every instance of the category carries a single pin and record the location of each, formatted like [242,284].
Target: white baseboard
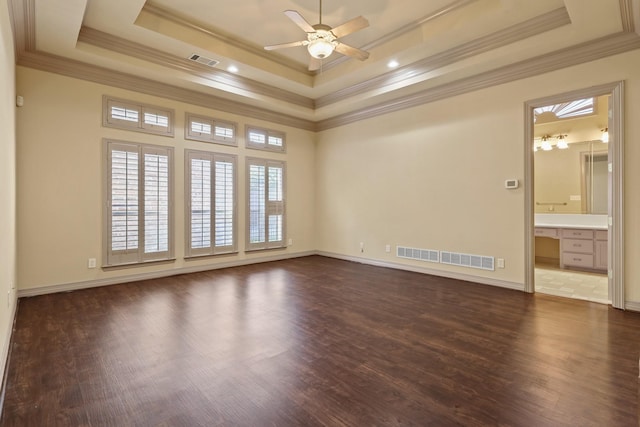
[632,305]
[424,270]
[66,287]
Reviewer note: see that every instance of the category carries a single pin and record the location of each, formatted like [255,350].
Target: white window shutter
[138,209]
[266,222]
[211,211]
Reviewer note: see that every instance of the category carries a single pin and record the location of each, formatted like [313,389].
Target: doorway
[607,242]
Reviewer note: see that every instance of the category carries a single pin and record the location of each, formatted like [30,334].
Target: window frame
[213,122]
[212,250]
[268,133]
[140,125]
[266,245]
[111,258]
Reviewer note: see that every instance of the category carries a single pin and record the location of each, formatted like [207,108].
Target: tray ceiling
[442,48]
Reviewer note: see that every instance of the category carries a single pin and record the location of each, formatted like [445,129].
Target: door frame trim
[616,204]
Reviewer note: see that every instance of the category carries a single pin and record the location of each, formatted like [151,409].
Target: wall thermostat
[511,184]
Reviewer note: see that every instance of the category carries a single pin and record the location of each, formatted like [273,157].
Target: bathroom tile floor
[572,284]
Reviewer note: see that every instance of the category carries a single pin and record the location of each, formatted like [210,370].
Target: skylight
[566,110]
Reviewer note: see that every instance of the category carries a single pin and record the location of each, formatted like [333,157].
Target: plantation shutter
[138,205]
[275,204]
[257,205]
[266,220]
[123,203]
[200,205]
[224,205]
[156,203]
[211,217]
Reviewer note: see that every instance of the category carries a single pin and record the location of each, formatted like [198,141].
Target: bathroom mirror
[571,159]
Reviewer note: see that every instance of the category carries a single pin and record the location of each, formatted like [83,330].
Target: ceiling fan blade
[350,26]
[300,21]
[352,51]
[314,63]
[284,45]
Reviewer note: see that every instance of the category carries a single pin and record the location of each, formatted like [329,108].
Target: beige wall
[429,177]
[433,176]
[7,182]
[60,180]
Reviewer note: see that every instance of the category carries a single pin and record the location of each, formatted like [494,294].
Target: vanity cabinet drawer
[577,234]
[577,245]
[602,235]
[577,260]
[546,232]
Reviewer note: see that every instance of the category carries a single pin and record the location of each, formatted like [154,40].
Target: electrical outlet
[387,248]
[500,262]
[91,263]
[290,242]
[8,299]
[361,246]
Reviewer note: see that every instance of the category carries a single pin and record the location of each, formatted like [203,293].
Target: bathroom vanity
[582,239]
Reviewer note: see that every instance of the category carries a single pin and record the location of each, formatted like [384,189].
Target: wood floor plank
[319,342]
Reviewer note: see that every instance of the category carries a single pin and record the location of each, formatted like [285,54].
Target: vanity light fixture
[562,142]
[546,145]
[605,135]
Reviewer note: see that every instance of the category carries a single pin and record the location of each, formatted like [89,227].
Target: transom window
[129,115]
[208,129]
[265,139]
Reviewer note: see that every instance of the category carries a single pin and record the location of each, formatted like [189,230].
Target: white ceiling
[438,44]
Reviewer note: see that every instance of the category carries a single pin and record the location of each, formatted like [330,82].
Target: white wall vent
[466,260]
[204,60]
[417,254]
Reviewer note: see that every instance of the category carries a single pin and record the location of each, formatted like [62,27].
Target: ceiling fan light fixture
[321,44]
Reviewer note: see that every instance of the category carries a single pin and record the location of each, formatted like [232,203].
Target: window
[266,209]
[565,110]
[207,129]
[139,202]
[211,203]
[122,114]
[265,139]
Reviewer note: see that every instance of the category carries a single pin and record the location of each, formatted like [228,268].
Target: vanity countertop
[588,222]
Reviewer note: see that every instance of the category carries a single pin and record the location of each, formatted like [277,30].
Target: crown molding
[22,13]
[224,38]
[458,4]
[282,60]
[107,41]
[540,24]
[23,23]
[626,13]
[80,70]
[562,58]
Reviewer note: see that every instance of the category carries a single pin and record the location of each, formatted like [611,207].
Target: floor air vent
[418,254]
[466,260]
[204,60]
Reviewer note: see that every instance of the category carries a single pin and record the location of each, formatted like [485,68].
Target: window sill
[197,257]
[279,248]
[137,264]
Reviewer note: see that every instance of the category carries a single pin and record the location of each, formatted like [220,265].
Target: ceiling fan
[322,40]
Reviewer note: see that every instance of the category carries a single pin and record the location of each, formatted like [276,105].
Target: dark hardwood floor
[317,341]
